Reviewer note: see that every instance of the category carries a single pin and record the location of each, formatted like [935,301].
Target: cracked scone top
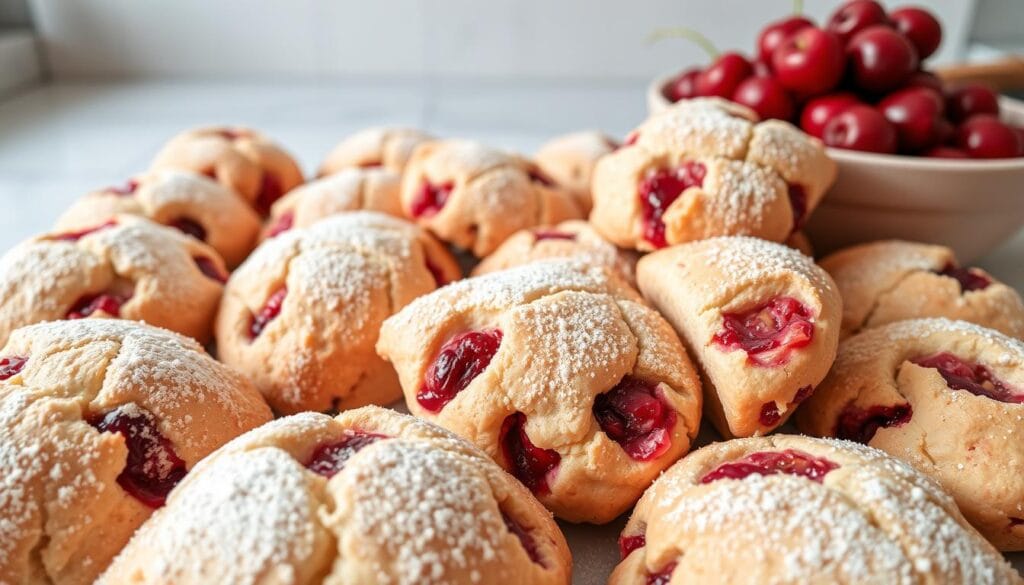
[760,319]
[792,509]
[945,396]
[475,197]
[889,281]
[387,148]
[126,267]
[705,168]
[559,372]
[569,161]
[99,419]
[242,159]
[351,189]
[370,497]
[191,203]
[300,316]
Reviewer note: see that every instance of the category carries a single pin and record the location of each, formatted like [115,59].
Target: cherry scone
[560,373]
[761,320]
[569,161]
[475,197]
[99,420]
[945,396]
[793,509]
[301,316]
[889,281]
[127,267]
[370,497]
[347,190]
[242,159]
[706,167]
[569,239]
[387,148]
[191,203]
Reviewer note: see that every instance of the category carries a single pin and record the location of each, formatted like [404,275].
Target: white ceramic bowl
[972,206]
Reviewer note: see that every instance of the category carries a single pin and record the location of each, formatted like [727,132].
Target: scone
[99,419]
[569,239]
[945,396]
[475,197]
[347,190]
[300,317]
[243,160]
[706,167]
[190,203]
[792,509]
[888,281]
[126,267]
[560,373]
[388,148]
[761,320]
[569,161]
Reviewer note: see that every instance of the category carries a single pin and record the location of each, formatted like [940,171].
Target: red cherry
[776,33]
[721,77]
[863,128]
[881,59]
[969,100]
[915,113]
[925,79]
[920,27]
[970,279]
[762,68]
[984,136]
[270,191]
[810,61]
[529,463]
[945,152]
[860,425]
[766,96]
[853,17]
[635,416]
[659,189]
[820,110]
[684,86]
[459,361]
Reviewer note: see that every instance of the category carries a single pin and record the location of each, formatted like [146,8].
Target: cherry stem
[681,32]
[798,7]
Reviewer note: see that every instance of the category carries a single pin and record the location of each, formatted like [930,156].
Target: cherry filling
[283,224]
[789,462]
[524,538]
[768,333]
[663,576]
[770,415]
[75,236]
[798,202]
[460,360]
[971,377]
[124,190]
[970,279]
[539,235]
[529,464]
[11,365]
[329,458]
[270,191]
[634,416]
[152,468]
[540,178]
[658,190]
[430,198]
[628,544]
[210,269]
[631,138]
[860,425]
[435,271]
[104,302]
[189,227]
[1015,522]
[230,134]
[271,309]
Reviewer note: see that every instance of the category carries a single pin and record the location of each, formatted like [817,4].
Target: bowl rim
[659,84]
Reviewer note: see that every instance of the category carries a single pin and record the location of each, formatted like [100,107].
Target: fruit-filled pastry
[569,161]
[387,148]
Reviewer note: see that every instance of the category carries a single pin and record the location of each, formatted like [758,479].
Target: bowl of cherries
[918,159]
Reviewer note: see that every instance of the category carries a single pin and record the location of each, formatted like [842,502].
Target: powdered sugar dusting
[872,342]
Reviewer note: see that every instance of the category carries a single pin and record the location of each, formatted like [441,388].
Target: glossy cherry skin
[722,77]
[863,128]
[945,152]
[880,59]
[684,86]
[984,136]
[920,27]
[809,62]
[818,111]
[916,114]
[855,16]
[776,33]
[970,100]
[925,79]
[766,96]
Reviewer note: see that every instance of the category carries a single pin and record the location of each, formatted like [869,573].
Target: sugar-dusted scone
[560,373]
[387,148]
[242,159]
[191,203]
[945,396]
[703,168]
[475,197]
[127,267]
[569,239]
[99,419]
[351,189]
[369,497]
[569,161]
[300,317]
[792,509]
[761,320]
[892,280]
